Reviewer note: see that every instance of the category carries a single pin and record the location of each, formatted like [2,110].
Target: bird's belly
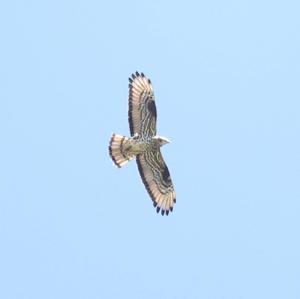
[138,146]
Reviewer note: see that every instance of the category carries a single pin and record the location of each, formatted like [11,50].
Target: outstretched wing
[157,180]
[142,109]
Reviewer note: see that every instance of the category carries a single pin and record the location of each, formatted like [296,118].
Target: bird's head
[161,140]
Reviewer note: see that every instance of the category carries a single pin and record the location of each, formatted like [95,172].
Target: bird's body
[141,144]
[144,144]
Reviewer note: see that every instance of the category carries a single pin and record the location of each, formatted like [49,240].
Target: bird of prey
[144,144]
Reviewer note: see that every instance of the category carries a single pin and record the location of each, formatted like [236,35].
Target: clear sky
[226,76]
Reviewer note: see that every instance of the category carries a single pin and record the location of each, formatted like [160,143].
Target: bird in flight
[144,144]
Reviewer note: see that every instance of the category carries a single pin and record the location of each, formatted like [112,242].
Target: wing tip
[138,74]
[163,211]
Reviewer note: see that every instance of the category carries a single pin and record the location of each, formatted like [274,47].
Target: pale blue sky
[226,77]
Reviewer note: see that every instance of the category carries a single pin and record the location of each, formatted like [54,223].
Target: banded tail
[119,147]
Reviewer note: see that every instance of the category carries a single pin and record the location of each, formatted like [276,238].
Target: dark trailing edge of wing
[131,128]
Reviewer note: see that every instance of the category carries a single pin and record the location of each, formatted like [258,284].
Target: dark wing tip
[137,74]
[157,209]
[130,79]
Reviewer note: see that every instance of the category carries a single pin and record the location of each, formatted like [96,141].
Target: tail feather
[118,150]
